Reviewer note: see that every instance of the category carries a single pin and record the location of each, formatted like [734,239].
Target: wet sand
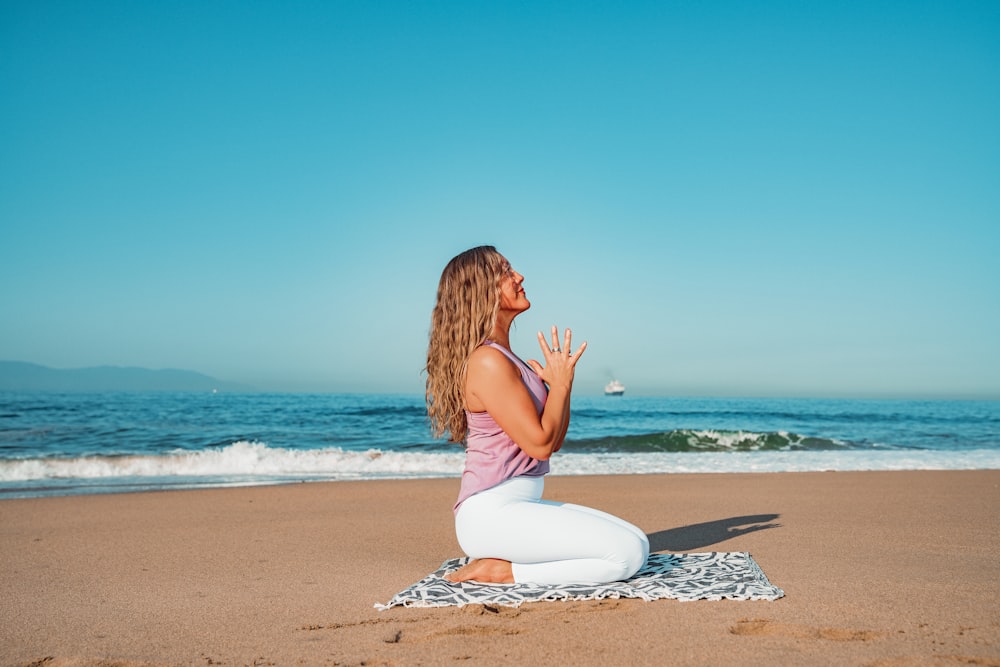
[878,568]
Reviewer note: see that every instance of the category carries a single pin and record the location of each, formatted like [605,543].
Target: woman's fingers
[558,360]
[546,350]
[553,347]
[568,346]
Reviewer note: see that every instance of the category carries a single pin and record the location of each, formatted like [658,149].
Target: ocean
[78,443]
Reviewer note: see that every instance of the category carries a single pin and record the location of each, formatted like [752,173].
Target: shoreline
[881,568]
[668,464]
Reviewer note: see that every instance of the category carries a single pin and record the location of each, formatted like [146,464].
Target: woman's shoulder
[489,355]
[487,371]
[490,362]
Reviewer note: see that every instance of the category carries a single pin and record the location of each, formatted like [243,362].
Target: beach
[878,568]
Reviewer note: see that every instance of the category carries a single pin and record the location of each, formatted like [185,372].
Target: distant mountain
[22,376]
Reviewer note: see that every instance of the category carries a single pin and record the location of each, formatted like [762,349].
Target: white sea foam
[255,462]
[775,461]
[239,459]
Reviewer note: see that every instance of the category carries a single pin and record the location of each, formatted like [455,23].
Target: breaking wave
[247,463]
[689,440]
[240,459]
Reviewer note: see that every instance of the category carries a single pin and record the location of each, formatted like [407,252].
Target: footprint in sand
[759,627]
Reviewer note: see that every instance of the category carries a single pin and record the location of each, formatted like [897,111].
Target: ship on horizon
[614,388]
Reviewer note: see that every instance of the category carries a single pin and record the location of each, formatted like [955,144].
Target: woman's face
[512,296]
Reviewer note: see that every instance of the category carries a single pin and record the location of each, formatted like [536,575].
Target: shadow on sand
[701,535]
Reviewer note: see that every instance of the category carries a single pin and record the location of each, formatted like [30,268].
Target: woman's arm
[565,428]
[567,347]
[494,384]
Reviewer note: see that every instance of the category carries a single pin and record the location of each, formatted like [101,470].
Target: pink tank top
[491,457]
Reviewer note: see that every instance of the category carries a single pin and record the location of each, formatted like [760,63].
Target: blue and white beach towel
[700,576]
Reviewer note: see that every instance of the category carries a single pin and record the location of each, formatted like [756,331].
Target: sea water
[71,443]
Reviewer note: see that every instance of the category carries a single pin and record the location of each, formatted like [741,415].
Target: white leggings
[548,542]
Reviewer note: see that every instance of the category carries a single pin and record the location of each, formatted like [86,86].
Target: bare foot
[484,570]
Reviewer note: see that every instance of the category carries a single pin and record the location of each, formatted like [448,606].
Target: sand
[878,568]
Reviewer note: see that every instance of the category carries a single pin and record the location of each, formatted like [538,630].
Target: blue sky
[728,198]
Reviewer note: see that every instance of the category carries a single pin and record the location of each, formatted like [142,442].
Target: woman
[480,392]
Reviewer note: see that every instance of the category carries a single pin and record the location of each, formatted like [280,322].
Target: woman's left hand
[560,360]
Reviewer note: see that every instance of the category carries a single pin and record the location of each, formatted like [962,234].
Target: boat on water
[614,388]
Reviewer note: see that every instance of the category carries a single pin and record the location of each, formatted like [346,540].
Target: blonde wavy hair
[468,301]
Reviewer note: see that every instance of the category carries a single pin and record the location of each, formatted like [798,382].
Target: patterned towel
[704,576]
